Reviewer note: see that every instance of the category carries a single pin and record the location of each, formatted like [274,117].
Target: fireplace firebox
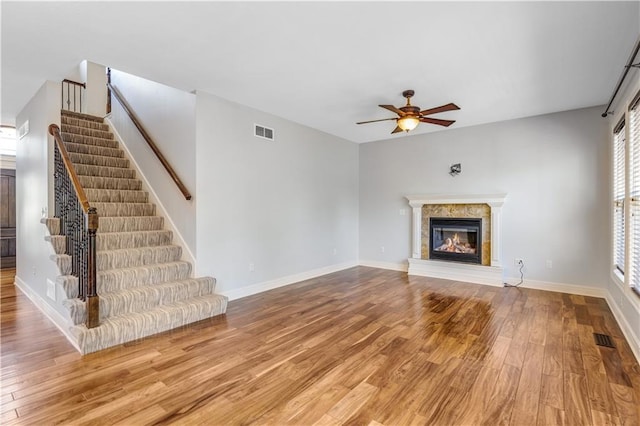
[455,239]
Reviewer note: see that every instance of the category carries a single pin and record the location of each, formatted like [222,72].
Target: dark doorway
[7,218]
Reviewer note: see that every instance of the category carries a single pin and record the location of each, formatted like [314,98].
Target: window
[618,196]
[626,196]
[634,193]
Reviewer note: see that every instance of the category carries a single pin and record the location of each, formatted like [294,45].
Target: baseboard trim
[627,330]
[250,290]
[401,267]
[47,310]
[579,290]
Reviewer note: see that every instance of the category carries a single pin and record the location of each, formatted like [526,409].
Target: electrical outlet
[252,267]
[549,264]
[381,249]
[517,261]
[334,251]
[403,212]
[51,290]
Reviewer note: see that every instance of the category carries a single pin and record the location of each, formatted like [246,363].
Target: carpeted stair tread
[135,239]
[127,258]
[98,160]
[103,151]
[63,261]
[123,278]
[68,128]
[89,140]
[59,243]
[102,171]
[87,124]
[116,196]
[99,182]
[52,224]
[87,117]
[125,209]
[129,224]
[125,328]
[142,298]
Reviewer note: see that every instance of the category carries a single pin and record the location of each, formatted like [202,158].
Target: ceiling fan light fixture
[408,123]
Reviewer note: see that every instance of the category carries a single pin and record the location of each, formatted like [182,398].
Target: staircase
[144,286]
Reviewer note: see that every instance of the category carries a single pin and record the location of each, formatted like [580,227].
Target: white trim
[187,254]
[53,315]
[401,267]
[494,200]
[627,330]
[456,271]
[580,290]
[284,281]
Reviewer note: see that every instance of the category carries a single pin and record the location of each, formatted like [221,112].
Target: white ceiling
[328,65]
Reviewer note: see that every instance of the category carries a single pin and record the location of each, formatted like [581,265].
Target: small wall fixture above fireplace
[455,239]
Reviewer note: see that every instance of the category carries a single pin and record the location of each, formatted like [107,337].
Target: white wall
[168,115]
[281,205]
[34,192]
[554,169]
[95,101]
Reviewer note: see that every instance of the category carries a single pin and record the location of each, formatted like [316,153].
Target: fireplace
[455,239]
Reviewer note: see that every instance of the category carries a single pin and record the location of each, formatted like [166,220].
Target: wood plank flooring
[359,347]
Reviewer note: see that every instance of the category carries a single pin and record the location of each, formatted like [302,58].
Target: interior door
[7,218]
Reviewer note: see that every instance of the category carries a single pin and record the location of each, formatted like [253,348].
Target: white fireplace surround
[479,274]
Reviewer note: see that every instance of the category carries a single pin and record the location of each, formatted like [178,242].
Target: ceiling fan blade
[442,108]
[397,130]
[393,109]
[445,123]
[373,121]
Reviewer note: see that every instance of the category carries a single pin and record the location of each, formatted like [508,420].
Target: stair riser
[64,263]
[52,224]
[98,160]
[120,279]
[65,128]
[93,150]
[77,122]
[137,257]
[129,224]
[109,172]
[59,243]
[110,196]
[96,182]
[125,329]
[88,140]
[126,240]
[142,299]
[124,209]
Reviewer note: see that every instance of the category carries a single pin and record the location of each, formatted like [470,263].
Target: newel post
[93,302]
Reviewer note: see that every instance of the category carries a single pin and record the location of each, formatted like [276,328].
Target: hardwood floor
[359,347]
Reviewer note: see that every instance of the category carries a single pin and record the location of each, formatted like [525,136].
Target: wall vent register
[263,132]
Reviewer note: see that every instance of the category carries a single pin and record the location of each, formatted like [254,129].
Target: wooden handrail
[54,131]
[84,85]
[150,142]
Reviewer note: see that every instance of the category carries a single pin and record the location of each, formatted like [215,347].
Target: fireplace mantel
[472,273]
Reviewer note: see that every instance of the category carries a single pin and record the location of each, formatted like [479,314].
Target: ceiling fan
[410,116]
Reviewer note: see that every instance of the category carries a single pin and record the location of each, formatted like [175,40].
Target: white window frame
[627,275]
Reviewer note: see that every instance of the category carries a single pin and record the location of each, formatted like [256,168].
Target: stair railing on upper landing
[71,99]
[136,121]
[79,224]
